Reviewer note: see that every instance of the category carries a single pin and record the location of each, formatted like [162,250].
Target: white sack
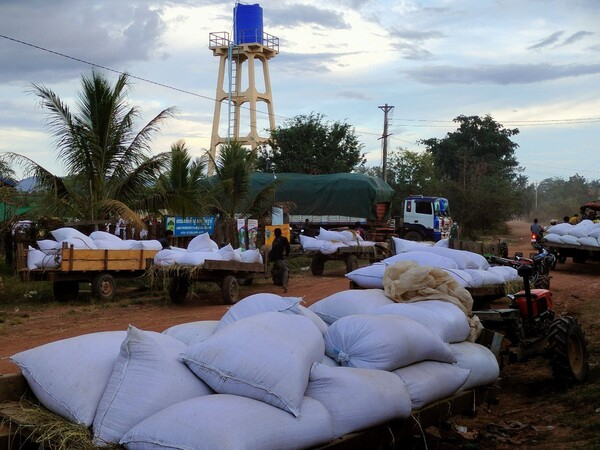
[119,244]
[560,228]
[358,398]
[588,240]
[147,377]
[594,231]
[485,277]
[368,277]
[151,244]
[310,244]
[404,245]
[196,258]
[479,360]
[104,236]
[257,304]
[314,318]
[351,301]
[48,244]
[443,318]
[231,422]
[74,237]
[442,243]
[69,376]
[554,237]
[192,332]
[423,258]
[462,258]
[383,342]
[252,256]
[461,277]
[266,357]
[35,258]
[569,239]
[581,229]
[229,254]
[335,236]
[168,257]
[506,272]
[429,381]
[330,247]
[202,243]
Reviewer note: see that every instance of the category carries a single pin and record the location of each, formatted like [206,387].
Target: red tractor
[530,326]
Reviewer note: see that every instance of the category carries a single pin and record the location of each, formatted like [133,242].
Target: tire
[317,265]
[65,291]
[103,287]
[178,289]
[230,290]
[351,263]
[569,358]
[413,236]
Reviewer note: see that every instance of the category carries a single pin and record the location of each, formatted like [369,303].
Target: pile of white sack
[200,248]
[585,232]
[470,270]
[270,374]
[329,241]
[48,254]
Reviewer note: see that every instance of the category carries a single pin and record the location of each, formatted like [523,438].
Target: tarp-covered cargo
[345,194]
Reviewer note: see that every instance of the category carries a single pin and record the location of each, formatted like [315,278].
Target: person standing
[167,239]
[280,249]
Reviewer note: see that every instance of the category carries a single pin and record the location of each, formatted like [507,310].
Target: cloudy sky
[530,64]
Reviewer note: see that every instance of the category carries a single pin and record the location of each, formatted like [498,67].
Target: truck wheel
[230,290]
[65,291]
[103,287]
[561,259]
[569,358]
[351,263]
[413,236]
[317,265]
[178,289]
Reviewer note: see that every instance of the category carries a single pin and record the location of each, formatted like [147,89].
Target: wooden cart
[227,274]
[350,255]
[98,267]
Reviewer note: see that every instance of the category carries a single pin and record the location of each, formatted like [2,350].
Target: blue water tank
[247,24]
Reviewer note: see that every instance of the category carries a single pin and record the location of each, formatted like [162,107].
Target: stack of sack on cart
[48,253]
[585,232]
[202,247]
[270,374]
[328,242]
[469,269]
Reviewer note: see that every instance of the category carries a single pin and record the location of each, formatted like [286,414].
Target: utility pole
[386,109]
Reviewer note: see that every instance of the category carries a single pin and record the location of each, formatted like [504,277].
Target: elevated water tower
[248,53]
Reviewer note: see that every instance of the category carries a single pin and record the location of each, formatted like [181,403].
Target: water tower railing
[222,39]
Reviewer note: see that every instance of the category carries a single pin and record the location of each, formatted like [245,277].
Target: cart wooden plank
[102,260]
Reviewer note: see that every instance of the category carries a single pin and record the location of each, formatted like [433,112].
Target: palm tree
[109,166]
[184,184]
[231,195]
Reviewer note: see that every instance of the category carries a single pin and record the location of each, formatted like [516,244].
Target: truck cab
[425,218]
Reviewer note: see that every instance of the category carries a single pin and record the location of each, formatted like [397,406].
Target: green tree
[411,173]
[309,144]
[231,195]
[184,185]
[109,165]
[479,173]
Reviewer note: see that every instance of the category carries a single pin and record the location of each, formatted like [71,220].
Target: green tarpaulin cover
[344,194]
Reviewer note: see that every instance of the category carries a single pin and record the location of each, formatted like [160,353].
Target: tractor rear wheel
[569,358]
[317,265]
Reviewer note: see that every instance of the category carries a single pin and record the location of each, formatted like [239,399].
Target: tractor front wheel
[569,356]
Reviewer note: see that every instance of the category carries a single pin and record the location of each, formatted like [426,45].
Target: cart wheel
[351,263]
[65,291]
[561,259]
[569,356]
[103,287]
[317,265]
[178,289]
[413,236]
[230,290]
